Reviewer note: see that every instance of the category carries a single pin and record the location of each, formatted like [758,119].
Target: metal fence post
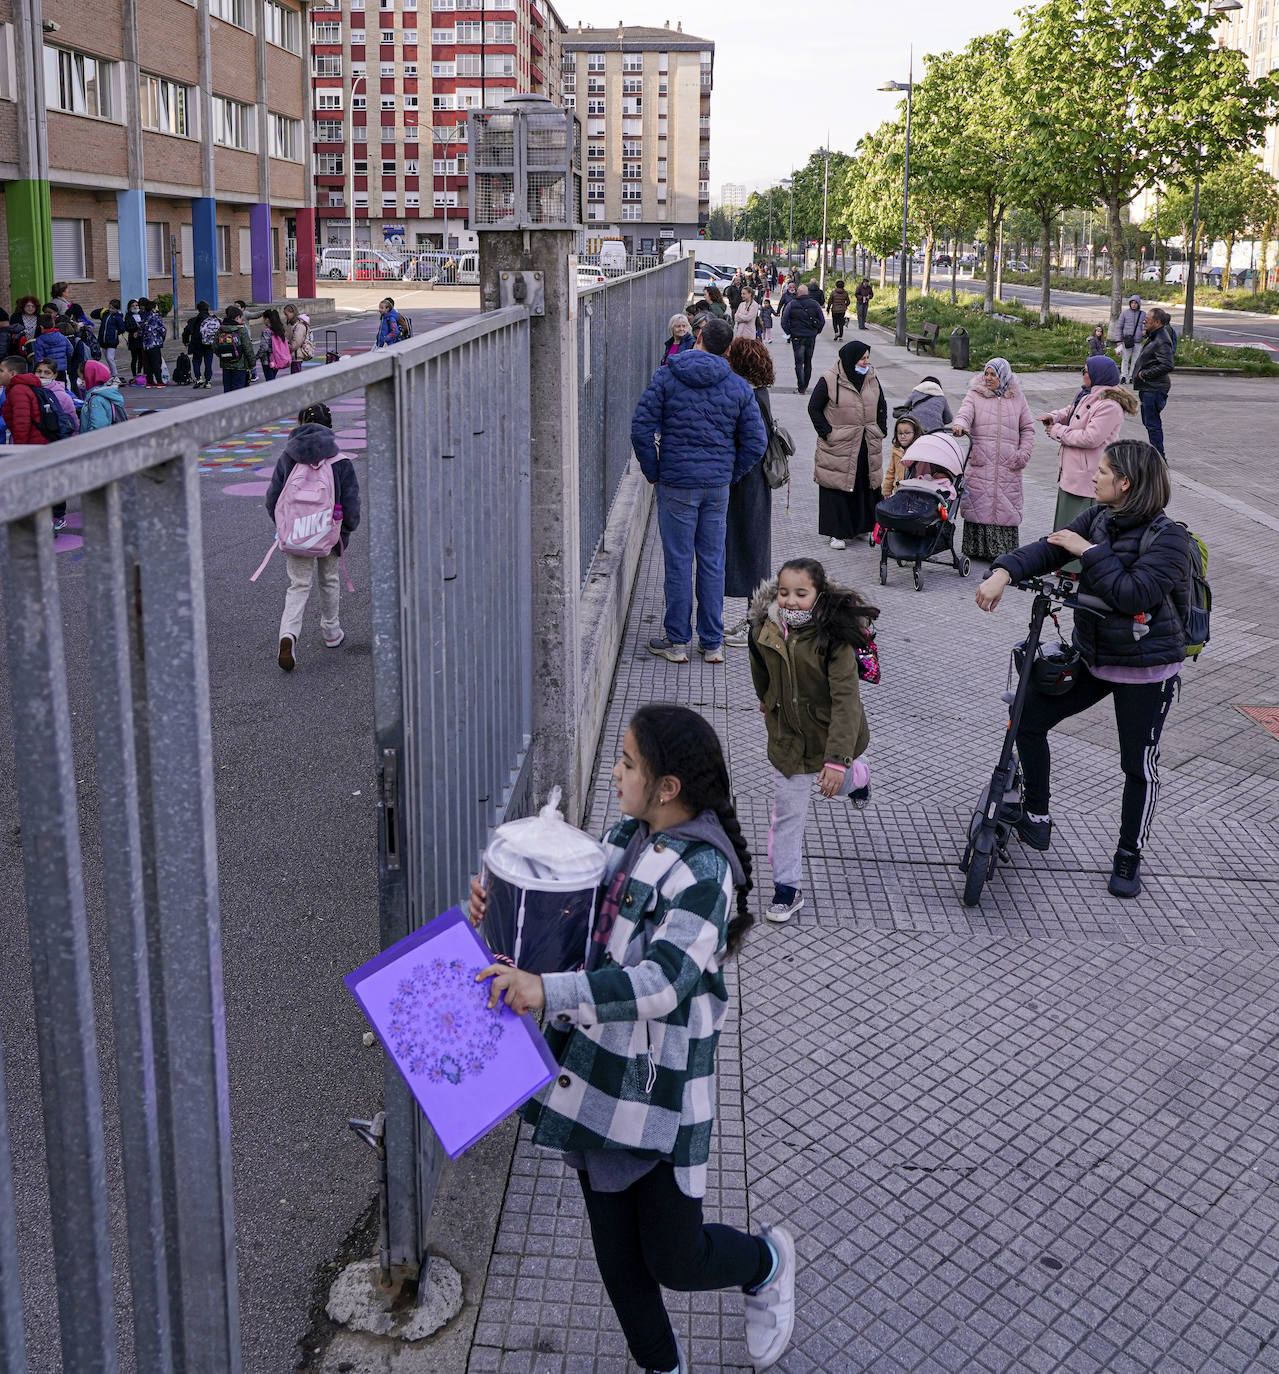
[13,1355]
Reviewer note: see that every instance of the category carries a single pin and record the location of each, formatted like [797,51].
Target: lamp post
[446,134]
[789,184]
[825,155]
[350,177]
[1222,7]
[908,86]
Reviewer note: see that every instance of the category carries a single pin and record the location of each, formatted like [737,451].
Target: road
[298,880]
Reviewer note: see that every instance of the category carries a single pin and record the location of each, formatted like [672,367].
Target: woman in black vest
[1137,561]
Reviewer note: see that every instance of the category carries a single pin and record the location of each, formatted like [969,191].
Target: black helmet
[1056,668]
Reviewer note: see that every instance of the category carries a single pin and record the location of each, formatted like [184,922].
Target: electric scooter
[999,807]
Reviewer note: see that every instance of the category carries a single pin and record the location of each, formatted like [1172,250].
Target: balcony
[535,43]
[535,13]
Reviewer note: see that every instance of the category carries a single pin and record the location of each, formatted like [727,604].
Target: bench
[926,338]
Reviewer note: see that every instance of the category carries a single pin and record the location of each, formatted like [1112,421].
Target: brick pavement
[1037,1135]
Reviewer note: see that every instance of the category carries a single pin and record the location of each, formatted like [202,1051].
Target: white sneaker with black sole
[770,1313]
[782,910]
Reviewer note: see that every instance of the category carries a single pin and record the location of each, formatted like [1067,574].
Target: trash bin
[959,348]
[543,880]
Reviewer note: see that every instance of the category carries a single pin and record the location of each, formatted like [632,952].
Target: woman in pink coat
[996,416]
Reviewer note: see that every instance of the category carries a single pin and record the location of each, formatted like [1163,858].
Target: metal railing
[448,515]
[621,328]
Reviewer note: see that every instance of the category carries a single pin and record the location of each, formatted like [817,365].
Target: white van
[370,265]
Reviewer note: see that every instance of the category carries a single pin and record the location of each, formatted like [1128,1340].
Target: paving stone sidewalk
[1035,1136]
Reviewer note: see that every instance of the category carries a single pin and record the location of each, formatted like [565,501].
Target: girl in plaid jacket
[635,1033]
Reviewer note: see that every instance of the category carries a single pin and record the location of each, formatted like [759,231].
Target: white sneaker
[781,912]
[838,544]
[770,1313]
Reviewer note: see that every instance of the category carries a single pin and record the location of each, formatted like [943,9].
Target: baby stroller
[917,523]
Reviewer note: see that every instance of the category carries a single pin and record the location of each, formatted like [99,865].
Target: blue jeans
[233,378]
[201,358]
[692,522]
[1152,404]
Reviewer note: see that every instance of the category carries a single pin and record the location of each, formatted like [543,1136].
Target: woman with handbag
[748,537]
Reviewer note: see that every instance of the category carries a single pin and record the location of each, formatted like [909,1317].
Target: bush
[164,304]
[1242,298]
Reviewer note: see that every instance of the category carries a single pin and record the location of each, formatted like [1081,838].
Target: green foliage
[725,224]
[1016,333]
[164,303]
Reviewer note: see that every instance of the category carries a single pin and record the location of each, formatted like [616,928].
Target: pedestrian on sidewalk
[103,404]
[927,404]
[864,294]
[715,302]
[1083,429]
[764,325]
[805,636]
[748,543]
[198,338]
[635,1034]
[1153,375]
[133,337]
[998,419]
[816,292]
[274,350]
[746,316]
[234,348]
[708,423]
[110,328]
[1130,330]
[840,300]
[301,344]
[679,340]
[21,415]
[388,328]
[153,332]
[1134,558]
[313,443]
[802,322]
[850,414]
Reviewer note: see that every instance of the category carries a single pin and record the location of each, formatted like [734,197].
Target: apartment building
[1254,31]
[644,96]
[732,195]
[406,88]
[134,133]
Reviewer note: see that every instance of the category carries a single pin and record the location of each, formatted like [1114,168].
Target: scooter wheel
[919,582]
[975,879]
[965,567]
[883,574]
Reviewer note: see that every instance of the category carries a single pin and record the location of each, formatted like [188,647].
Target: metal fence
[621,327]
[449,520]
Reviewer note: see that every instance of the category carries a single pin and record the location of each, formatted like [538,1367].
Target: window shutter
[113,250]
[157,250]
[68,249]
[246,251]
[186,249]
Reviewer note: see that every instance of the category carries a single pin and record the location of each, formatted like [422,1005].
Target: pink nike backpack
[308,520]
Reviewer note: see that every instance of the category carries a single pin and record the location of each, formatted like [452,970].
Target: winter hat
[311,444]
[1102,371]
[96,374]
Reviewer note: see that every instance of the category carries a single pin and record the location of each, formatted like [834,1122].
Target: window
[443,102]
[410,69]
[632,147]
[286,137]
[632,192]
[499,64]
[568,83]
[632,105]
[595,85]
[595,62]
[360,167]
[409,36]
[327,64]
[326,33]
[359,102]
[468,100]
[443,69]
[329,100]
[661,169]
[388,102]
[633,62]
[631,171]
[500,32]
[357,5]
[357,33]
[594,193]
[358,69]
[157,248]
[570,102]
[632,212]
[389,200]
[632,85]
[445,199]
[233,123]
[224,249]
[410,102]
[388,133]
[467,64]
[329,131]
[410,166]
[337,200]
[409,5]
[663,61]
[79,84]
[594,212]
[412,200]
[330,164]
[361,200]
[386,69]
[386,35]
[594,150]
[283,26]
[442,4]
[442,35]
[386,4]
[594,107]
[164,106]
[68,249]
[468,31]
[237,12]
[359,133]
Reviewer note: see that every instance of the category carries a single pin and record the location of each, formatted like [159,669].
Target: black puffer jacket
[1153,368]
[1154,584]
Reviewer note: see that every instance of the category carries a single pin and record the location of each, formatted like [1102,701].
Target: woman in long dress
[1002,429]
[748,543]
[850,414]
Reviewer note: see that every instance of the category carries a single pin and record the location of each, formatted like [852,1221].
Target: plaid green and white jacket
[635,1039]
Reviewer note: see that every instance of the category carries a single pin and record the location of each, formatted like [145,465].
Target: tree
[724,223]
[1144,92]
[1234,199]
[870,194]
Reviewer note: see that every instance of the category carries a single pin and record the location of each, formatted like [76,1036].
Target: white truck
[717,252]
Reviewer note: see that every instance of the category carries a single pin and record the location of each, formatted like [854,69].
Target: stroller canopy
[942,450]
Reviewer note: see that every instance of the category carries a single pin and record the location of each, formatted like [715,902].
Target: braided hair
[678,743]
[317,413]
[843,617]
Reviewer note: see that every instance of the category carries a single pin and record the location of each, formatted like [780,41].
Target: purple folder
[468,1067]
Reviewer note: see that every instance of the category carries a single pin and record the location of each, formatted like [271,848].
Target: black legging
[838,319]
[652,1235]
[137,355]
[155,364]
[1140,711]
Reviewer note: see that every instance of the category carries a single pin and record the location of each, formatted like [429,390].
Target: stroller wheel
[919,581]
[883,574]
[965,567]
[870,539]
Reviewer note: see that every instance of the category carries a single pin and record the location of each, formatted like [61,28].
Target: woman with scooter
[1136,561]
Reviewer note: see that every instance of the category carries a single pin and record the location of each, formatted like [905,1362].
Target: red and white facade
[404,72]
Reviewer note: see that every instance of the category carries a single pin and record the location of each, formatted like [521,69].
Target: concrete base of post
[358,1301]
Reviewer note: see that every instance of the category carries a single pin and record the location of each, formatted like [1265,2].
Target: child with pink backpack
[314,500]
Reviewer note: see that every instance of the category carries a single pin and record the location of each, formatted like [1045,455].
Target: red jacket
[22,412]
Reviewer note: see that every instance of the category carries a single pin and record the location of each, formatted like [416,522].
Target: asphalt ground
[297,859]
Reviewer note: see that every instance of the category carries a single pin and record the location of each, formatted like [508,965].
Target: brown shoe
[285,657]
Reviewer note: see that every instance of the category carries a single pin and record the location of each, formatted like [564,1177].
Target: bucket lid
[545,853]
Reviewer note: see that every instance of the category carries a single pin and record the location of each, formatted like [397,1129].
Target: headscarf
[96,374]
[1102,371]
[848,359]
[1002,369]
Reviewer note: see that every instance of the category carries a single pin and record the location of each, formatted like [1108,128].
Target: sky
[785,74]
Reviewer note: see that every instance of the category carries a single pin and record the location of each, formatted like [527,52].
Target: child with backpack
[390,327]
[314,500]
[31,415]
[234,349]
[198,338]
[110,327]
[635,1034]
[103,404]
[810,643]
[52,343]
[274,351]
[154,333]
[62,397]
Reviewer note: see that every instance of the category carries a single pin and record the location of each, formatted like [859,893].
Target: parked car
[335,263]
[716,274]
[942,260]
[589,276]
[707,276]
[1150,273]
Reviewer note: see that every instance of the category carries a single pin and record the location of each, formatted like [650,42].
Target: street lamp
[350,177]
[825,155]
[909,87]
[789,184]
[447,134]
[1222,7]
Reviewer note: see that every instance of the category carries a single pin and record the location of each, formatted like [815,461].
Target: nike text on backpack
[226,343]
[54,422]
[308,523]
[1197,611]
[210,327]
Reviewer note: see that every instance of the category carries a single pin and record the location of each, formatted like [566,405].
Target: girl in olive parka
[805,634]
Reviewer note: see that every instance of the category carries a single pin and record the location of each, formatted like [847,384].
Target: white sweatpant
[302,572]
[108,357]
[791,799]
[1125,361]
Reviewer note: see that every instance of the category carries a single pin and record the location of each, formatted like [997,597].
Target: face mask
[795,618]
[862,368]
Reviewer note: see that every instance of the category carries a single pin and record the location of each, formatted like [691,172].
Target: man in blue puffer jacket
[707,421]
